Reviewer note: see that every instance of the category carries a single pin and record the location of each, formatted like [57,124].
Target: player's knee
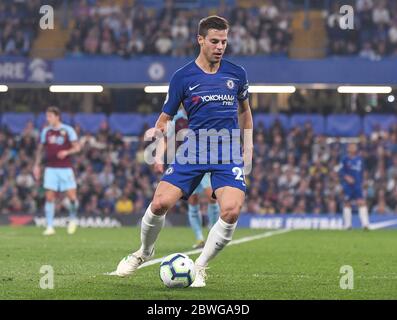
[211,200]
[361,203]
[159,205]
[231,211]
[49,197]
[193,200]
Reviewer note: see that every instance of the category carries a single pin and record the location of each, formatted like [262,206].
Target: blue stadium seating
[41,119]
[16,122]
[343,125]
[126,123]
[382,121]
[89,122]
[317,121]
[186,4]
[151,119]
[268,119]
[134,123]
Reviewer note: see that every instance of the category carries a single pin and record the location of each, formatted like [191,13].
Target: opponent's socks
[49,209]
[213,213]
[150,229]
[363,214]
[73,208]
[195,221]
[347,217]
[219,236]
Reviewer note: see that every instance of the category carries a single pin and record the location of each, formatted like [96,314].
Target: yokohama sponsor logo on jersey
[217,97]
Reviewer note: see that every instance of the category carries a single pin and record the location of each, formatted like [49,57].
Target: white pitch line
[231,243]
[381,225]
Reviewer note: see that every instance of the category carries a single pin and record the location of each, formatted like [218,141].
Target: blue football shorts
[59,179]
[352,193]
[188,176]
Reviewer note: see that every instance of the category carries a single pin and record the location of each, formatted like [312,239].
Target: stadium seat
[150,119]
[343,125]
[16,122]
[126,123]
[268,119]
[41,119]
[89,122]
[382,121]
[317,121]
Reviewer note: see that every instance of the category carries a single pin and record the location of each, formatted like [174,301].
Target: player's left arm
[246,127]
[76,146]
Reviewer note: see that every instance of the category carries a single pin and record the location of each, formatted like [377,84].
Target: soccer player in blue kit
[180,122]
[351,175]
[214,93]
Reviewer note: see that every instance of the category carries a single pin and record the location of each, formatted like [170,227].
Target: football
[177,271]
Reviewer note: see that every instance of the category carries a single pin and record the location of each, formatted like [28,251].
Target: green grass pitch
[293,265]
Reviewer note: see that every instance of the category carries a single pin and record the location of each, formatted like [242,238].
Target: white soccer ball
[177,271]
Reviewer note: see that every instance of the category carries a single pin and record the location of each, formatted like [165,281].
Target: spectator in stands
[106,177]
[381,207]
[368,52]
[124,205]
[92,206]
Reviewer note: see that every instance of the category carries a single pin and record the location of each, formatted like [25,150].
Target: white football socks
[219,236]
[150,228]
[363,214]
[347,217]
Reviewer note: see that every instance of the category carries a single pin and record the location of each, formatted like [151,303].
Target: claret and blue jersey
[211,101]
[58,174]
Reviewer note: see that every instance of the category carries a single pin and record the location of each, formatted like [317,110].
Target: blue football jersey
[352,167]
[210,100]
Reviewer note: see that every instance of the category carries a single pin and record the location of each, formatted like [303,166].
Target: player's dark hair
[212,22]
[54,110]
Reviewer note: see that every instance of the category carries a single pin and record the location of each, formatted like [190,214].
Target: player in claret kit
[351,177]
[214,93]
[59,142]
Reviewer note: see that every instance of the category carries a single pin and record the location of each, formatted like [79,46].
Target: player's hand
[36,172]
[158,168]
[349,179]
[62,154]
[153,132]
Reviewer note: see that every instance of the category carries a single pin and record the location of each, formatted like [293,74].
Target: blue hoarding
[311,221]
[144,70]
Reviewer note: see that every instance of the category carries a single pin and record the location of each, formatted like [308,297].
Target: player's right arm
[161,128]
[170,108]
[343,174]
[37,162]
[39,156]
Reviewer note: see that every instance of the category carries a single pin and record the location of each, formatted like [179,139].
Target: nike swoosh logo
[192,88]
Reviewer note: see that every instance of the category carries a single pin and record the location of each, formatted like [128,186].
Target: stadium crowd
[294,171]
[138,30]
[18,26]
[134,30]
[374,34]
